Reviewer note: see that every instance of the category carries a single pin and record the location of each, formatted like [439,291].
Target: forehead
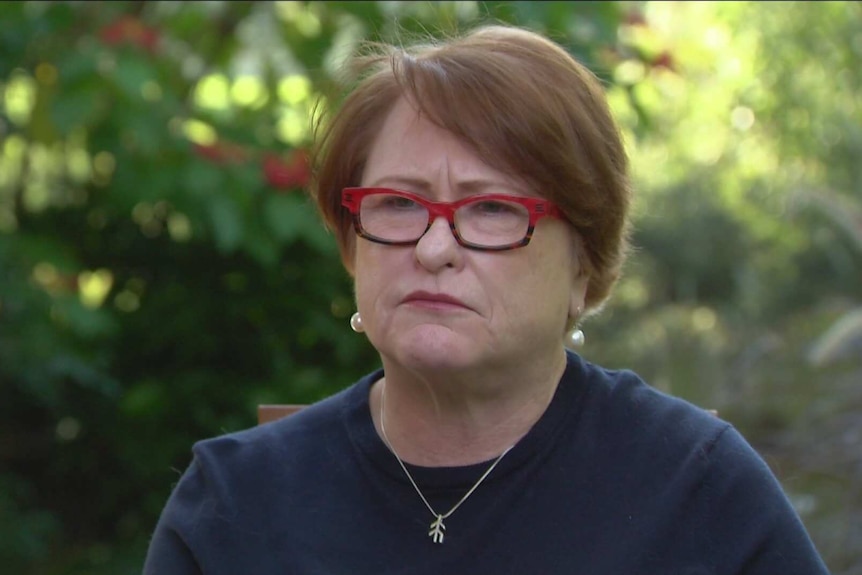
[413,149]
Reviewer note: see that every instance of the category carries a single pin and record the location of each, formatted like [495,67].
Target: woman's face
[439,306]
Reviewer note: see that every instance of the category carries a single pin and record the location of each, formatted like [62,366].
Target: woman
[478,191]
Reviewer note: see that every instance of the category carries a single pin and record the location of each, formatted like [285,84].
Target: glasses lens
[492,223]
[482,223]
[393,218]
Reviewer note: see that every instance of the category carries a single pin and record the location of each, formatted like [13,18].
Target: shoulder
[632,421]
[661,442]
[240,464]
[621,398]
[285,439]
[662,450]
[235,480]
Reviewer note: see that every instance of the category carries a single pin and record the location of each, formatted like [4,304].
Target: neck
[451,421]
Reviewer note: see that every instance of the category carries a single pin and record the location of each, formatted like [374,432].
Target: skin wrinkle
[435,108]
[558,132]
[518,187]
[462,388]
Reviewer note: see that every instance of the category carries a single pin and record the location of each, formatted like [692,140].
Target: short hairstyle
[526,107]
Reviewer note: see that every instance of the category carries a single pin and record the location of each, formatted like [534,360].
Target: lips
[435,300]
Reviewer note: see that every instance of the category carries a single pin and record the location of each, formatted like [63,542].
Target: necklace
[435,531]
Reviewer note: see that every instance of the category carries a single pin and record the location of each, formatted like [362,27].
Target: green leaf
[261,246]
[89,324]
[227,224]
[285,216]
[131,73]
[82,372]
[74,109]
[201,179]
[142,398]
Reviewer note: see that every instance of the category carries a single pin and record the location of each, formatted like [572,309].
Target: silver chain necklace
[435,531]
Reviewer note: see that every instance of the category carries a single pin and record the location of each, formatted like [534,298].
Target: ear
[348,255]
[578,297]
[580,283]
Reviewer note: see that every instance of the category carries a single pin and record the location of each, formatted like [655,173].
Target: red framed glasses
[490,222]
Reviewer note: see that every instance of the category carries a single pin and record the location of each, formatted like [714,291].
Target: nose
[438,248]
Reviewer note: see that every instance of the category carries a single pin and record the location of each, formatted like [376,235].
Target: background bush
[161,272]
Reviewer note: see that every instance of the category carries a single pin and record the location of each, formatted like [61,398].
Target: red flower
[221,152]
[634,18]
[664,60]
[286,174]
[129,29]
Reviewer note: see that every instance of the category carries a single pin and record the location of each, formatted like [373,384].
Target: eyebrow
[465,187]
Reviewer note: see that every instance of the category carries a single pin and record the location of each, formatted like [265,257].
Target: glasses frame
[351,198]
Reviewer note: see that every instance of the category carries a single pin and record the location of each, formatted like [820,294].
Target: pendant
[437,529]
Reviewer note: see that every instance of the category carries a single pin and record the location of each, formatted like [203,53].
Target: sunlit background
[162,272]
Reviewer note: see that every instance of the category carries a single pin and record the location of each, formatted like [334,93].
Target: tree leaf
[227,224]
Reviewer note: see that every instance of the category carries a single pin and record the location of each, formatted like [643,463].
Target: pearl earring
[356,323]
[575,337]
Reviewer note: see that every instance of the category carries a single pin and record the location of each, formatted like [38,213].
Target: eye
[399,203]
[494,207]
[390,202]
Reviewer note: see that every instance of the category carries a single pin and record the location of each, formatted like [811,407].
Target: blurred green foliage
[162,273]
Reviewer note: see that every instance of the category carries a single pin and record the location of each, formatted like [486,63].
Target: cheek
[373,270]
[364,274]
[348,256]
[552,275]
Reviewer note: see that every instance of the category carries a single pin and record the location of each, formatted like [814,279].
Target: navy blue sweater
[616,478]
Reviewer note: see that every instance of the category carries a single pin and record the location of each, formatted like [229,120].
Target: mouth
[436,301]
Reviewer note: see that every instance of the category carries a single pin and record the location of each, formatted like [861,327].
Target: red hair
[523,103]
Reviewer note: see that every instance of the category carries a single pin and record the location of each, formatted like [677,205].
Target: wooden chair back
[267,413]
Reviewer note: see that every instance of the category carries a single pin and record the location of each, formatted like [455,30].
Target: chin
[433,350]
